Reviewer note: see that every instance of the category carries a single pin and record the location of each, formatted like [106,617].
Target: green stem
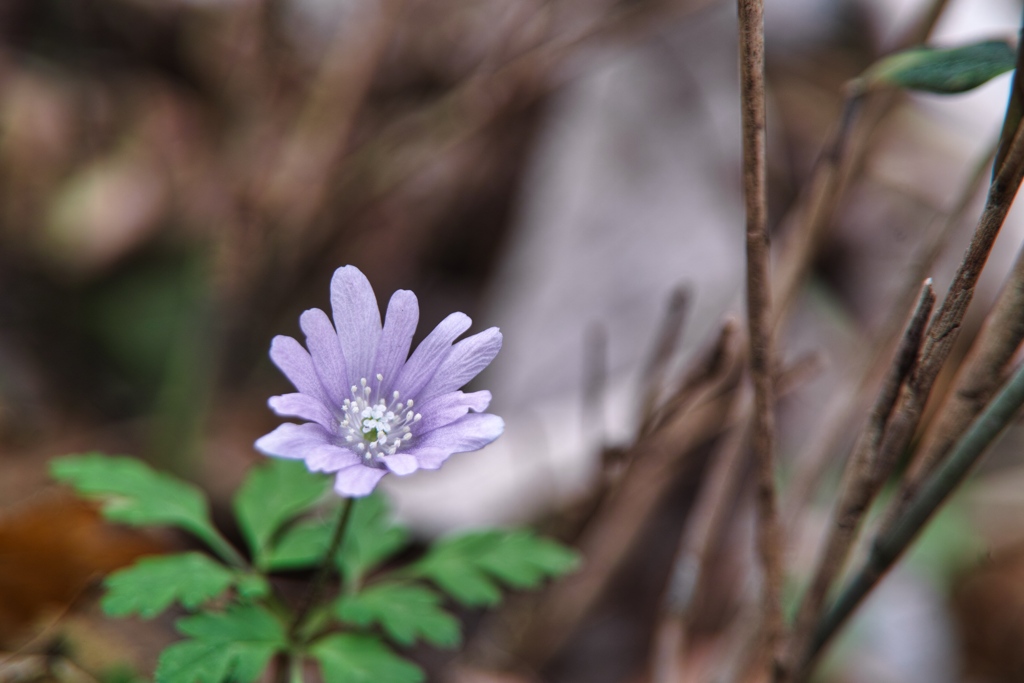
[320,581]
[295,669]
[222,547]
[888,547]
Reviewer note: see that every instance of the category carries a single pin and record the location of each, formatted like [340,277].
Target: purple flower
[371,407]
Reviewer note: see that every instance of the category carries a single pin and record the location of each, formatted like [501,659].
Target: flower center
[374,426]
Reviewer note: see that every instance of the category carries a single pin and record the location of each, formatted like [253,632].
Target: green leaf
[370,539]
[468,567]
[235,646]
[252,586]
[273,494]
[152,584]
[348,658]
[936,70]
[300,546]
[135,494]
[406,612]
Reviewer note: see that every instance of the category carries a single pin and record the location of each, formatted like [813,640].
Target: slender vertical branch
[759,315]
[860,484]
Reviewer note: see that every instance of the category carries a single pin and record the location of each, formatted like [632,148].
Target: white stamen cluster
[376,427]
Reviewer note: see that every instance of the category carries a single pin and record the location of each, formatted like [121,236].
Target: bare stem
[981,374]
[759,316]
[888,547]
[316,589]
[938,342]
[818,456]
[860,485]
[665,346]
[983,370]
[691,566]
[943,331]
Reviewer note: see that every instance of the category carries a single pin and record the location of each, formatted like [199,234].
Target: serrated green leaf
[467,566]
[300,546]
[349,658]
[153,584]
[523,560]
[272,494]
[252,586]
[371,538]
[406,612]
[465,583]
[133,493]
[194,661]
[943,71]
[235,645]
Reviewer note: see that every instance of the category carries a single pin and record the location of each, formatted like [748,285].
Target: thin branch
[691,567]
[654,462]
[665,346]
[843,156]
[943,331]
[759,316]
[888,547]
[861,484]
[818,456]
[980,375]
[940,337]
[709,365]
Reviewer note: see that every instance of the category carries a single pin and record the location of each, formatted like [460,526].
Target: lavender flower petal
[357,481]
[362,427]
[330,458]
[423,363]
[302,406]
[447,408]
[357,319]
[399,327]
[293,441]
[466,360]
[325,350]
[401,463]
[469,433]
[297,366]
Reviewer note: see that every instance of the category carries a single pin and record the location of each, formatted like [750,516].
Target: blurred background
[179,179]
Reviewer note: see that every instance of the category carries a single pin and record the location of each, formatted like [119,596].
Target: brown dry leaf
[50,553]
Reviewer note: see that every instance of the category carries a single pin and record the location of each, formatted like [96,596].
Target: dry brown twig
[652,380]
[654,462]
[819,453]
[943,330]
[979,377]
[708,365]
[843,156]
[861,483]
[705,530]
[939,339]
[759,319]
